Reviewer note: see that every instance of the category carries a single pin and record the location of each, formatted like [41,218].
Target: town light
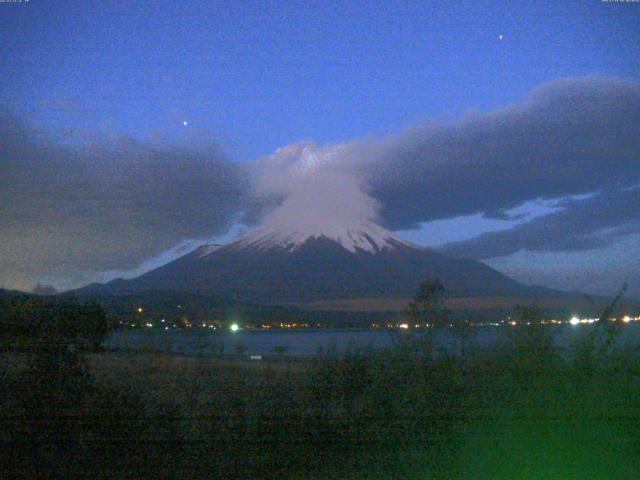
[574,321]
[234,327]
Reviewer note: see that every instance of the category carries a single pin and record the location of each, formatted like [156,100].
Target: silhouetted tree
[598,344]
[609,329]
[43,322]
[428,305]
[426,309]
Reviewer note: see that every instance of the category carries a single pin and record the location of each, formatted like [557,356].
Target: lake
[305,342]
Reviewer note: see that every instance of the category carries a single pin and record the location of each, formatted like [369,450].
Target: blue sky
[255,76]
[259,75]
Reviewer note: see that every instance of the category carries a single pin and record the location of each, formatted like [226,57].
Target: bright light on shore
[626,319]
[574,321]
[234,327]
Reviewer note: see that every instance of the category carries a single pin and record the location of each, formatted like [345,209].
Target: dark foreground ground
[525,411]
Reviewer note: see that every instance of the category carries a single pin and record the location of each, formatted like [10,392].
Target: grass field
[524,412]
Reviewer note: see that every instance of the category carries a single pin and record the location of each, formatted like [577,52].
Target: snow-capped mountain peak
[367,237]
[312,262]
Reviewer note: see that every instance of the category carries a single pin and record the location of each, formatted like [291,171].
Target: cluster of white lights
[575,320]
[625,319]
[164,324]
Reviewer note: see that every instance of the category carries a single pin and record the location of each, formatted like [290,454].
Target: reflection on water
[309,341]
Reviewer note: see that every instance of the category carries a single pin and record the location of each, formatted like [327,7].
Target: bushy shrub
[42,322]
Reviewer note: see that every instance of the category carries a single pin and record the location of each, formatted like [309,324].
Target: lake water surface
[305,342]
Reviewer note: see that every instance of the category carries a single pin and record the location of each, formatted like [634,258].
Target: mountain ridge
[275,266]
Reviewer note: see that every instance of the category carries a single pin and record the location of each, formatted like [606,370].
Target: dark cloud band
[585,224]
[104,207]
[572,136]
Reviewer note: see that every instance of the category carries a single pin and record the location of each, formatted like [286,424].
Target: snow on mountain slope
[280,266]
[367,237]
[205,250]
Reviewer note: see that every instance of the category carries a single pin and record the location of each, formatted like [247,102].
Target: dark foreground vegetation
[524,410]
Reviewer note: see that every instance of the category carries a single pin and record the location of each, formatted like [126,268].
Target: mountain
[291,266]
[11,293]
